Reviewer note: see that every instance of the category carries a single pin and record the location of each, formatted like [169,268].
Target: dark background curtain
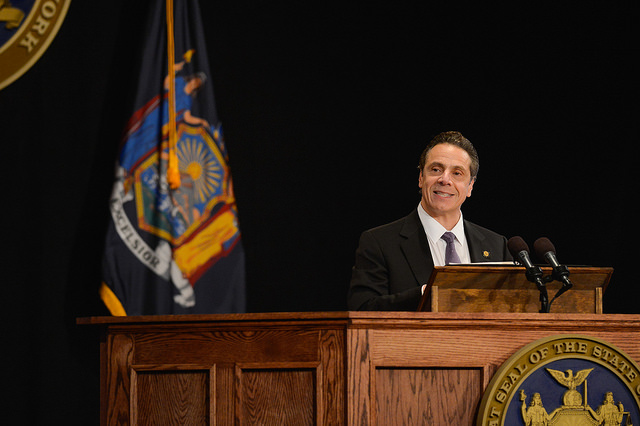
[326,108]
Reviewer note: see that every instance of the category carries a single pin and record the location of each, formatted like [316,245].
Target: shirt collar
[434,229]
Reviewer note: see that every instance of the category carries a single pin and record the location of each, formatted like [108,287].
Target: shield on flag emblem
[185,215]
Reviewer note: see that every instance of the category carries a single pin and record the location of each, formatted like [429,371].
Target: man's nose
[445,178]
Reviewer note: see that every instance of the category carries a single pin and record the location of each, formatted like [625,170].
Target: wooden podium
[354,368]
[506,289]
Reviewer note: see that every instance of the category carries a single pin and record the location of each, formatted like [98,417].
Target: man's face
[445,181]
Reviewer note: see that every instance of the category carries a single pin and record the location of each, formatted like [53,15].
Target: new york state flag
[173,244]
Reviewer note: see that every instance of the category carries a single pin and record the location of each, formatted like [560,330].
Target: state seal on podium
[564,380]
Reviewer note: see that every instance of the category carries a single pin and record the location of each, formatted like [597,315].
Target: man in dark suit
[394,261]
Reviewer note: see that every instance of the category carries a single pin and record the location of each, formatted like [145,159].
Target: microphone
[520,250]
[545,249]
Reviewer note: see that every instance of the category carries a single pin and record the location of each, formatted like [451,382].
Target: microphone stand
[534,275]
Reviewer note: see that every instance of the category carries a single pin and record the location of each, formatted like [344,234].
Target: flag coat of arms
[173,244]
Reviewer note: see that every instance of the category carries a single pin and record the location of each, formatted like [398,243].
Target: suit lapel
[416,248]
[478,251]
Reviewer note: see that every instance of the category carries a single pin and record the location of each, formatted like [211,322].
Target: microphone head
[542,246]
[516,245]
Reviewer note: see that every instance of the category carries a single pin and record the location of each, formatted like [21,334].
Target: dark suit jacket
[393,261]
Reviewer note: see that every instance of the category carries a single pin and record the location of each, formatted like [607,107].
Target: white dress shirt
[434,231]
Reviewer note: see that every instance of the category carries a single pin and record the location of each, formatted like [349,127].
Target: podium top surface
[353,319]
[513,277]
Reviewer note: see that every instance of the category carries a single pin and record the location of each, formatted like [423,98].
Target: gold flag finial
[188,54]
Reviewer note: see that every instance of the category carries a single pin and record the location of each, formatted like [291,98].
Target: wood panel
[171,397]
[241,373]
[116,382]
[426,396]
[224,409]
[359,381]
[277,394]
[451,343]
[285,344]
[332,386]
[506,289]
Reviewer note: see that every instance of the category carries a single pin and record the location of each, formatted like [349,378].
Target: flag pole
[173,173]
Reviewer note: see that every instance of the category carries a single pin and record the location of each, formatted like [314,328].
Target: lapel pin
[485,254]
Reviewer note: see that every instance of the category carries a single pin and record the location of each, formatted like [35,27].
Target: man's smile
[443,194]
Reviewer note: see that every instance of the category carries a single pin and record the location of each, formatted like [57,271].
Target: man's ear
[473,180]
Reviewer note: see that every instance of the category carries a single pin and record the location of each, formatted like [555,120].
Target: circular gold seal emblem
[564,380]
[27,28]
